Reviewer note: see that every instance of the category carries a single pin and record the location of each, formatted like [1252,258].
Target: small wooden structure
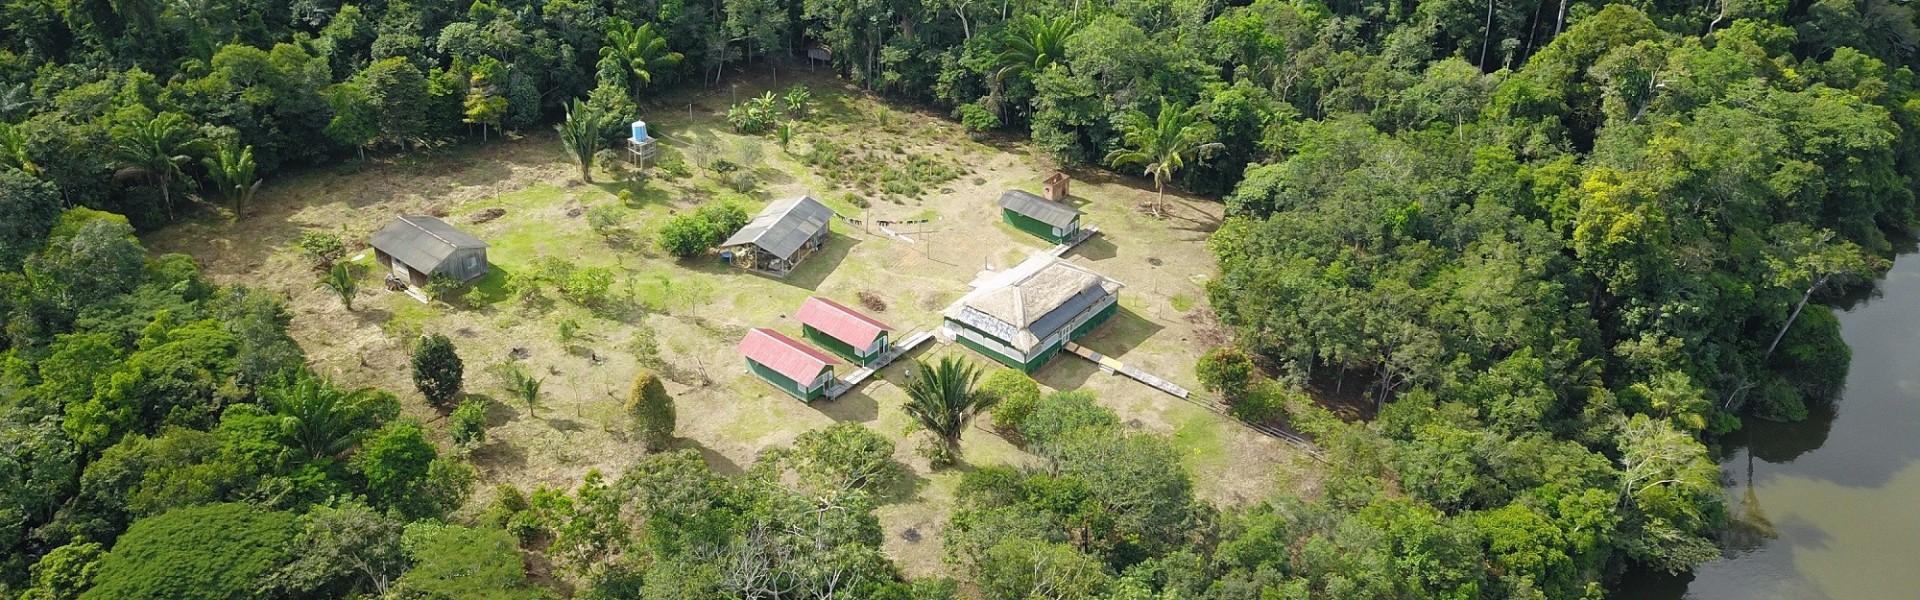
[778,238]
[1051,221]
[1057,186]
[843,331]
[415,248]
[796,369]
[1023,316]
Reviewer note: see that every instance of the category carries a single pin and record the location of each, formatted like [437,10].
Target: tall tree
[232,169]
[944,398]
[437,370]
[652,411]
[154,152]
[639,51]
[582,135]
[1036,42]
[31,207]
[1162,145]
[316,416]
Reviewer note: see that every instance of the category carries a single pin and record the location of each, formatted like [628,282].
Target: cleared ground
[699,308]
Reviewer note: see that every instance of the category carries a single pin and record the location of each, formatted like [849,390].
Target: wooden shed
[1023,316]
[1051,221]
[778,238]
[414,248]
[843,331]
[796,369]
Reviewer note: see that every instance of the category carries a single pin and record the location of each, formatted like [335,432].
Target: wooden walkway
[841,385]
[1110,366]
[1080,237]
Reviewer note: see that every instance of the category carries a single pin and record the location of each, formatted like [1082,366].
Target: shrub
[437,370]
[799,100]
[742,181]
[1019,397]
[651,410]
[468,426]
[977,118]
[440,285]
[324,248]
[1226,370]
[588,286]
[685,236]
[1062,412]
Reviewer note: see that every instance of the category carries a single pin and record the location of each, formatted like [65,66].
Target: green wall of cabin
[1033,226]
[789,386]
[1040,359]
[843,349]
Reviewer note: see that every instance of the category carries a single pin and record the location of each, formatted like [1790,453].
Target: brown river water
[1828,508]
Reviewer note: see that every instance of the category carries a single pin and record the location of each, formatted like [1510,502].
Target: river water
[1828,508]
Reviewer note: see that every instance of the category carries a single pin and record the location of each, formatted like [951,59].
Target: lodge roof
[1032,300]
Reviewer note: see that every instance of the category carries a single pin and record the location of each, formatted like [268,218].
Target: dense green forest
[1556,247]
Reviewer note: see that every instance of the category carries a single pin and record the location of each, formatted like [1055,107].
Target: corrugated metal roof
[1041,209]
[422,242]
[1031,300]
[784,226]
[785,356]
[844,324]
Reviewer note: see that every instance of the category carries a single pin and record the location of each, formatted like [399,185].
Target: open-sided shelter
[1024,315]
[1051,221]
[781,236]
[414,248]
[843,331]
[793,367]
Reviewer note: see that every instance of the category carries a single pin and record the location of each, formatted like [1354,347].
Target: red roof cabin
[793,367]
[843,331]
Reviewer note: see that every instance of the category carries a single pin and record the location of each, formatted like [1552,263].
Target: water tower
[641,147]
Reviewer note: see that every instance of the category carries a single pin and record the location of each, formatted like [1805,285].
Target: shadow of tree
[714,459]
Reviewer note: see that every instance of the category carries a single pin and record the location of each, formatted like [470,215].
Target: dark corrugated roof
[1041,209]
[1060,315]
[422,242]
[784,226]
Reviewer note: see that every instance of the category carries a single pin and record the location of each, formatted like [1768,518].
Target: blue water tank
[639,131]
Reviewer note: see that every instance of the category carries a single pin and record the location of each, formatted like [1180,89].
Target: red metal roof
[844,324]
[785,356]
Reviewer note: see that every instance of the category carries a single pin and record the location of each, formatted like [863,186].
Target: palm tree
[521,385]
[583,134]
[1163,145]
[1040,42]
[341,282]
[13,150]
[233,170]
[639,51]
[315,415]
[155,151]
[944,399]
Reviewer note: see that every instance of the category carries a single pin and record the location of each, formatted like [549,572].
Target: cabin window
[473,262]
